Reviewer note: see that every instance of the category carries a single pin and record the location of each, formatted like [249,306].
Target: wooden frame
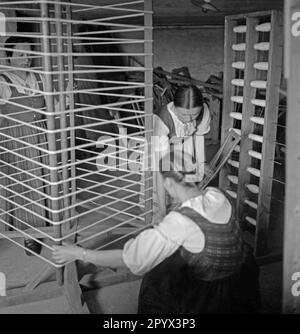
[250,27]
[122,216]
[291,260]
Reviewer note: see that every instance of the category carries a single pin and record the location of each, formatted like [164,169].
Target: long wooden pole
[247,112]
[148,49]
[228,90]
[47,67]
[71,80]
[62,117]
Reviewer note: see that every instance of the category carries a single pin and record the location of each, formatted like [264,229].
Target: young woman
[19,142]
[181,124]
[193,261]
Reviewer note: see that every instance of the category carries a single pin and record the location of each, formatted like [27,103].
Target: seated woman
[194,261]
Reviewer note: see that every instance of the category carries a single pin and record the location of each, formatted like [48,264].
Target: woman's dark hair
[12,41]
[188,97]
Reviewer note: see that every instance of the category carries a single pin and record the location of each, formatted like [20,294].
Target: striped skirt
[22,194]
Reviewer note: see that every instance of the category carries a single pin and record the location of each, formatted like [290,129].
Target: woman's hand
[66,253]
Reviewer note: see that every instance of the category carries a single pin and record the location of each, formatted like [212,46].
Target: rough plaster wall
[201,50]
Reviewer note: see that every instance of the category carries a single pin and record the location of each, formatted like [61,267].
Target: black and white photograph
[149,159]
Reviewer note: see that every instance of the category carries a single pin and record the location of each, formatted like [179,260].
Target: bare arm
[105,258]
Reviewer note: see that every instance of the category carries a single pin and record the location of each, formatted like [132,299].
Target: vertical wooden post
[247,112]
[227,122]
[148,49]
[71,107]
[47,67]
[269,135]
[291,265]
[62,116]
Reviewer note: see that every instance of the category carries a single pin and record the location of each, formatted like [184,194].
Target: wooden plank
[47,291]
[252,14]
[247,112]
[43,275]
[148,49]
[101,279]
[291,261]
[72,290]
[228,90]
[220,158]
[269,134]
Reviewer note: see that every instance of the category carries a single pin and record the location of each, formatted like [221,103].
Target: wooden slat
[236,115]
[251,220]
[253,205]
[231,193]
[240,29]
[255,154]
[228,91]
[237,131]
[264,27]
[257,138]
[233,163]
[238,82]
[263,66]
[270,129]
[247,112]
[253,188]
[233,178]
[239,47]
[263,46]
[72,290]
[258,120]
[238,65]
[254,171]
[258,102]
[259,84]
[237,99]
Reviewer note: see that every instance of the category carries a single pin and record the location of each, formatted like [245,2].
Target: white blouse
[21,84]
[154,245]
[181,129]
